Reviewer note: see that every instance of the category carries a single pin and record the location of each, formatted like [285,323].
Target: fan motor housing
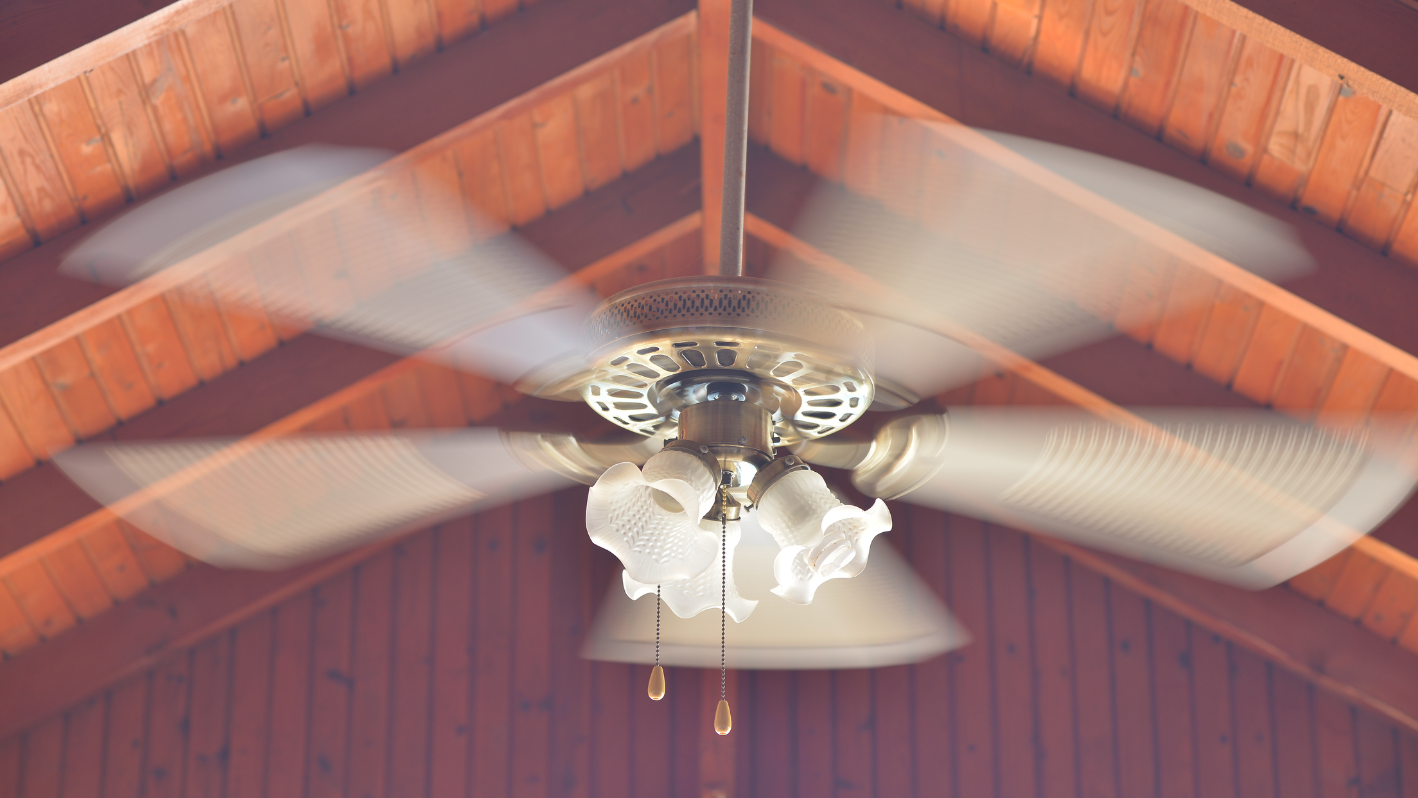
[660,348]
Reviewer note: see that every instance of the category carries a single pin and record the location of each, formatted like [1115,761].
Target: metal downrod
[735,140]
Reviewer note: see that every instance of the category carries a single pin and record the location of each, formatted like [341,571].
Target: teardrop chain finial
[723,721]
[657,675]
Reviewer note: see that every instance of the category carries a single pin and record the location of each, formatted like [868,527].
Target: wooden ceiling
[583,131]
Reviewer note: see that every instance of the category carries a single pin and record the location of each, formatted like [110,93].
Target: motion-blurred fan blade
[1247,497]
[884,616]
[313,239]
[954,233]
[272,503]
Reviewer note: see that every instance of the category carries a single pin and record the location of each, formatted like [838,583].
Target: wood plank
[825,126]
[159,348]
[1156,61]
[252,665]
[1107,53]
[1172,689]
[1215,729]
[249,329]
[364,42]
[1013,661]
[789,98]
[526,198]
[268,61]
[598,130]
[492,659]
[1296,134]
[651,727]
[207,742]
[1296,769]
[1190,299]
[1053,651]
[413,31]
[573,585]
[200,328]
[1356,385]
[1266,354]
[291,683]
[1248,111]
[370,700]
[14,234]
[403,400]
[44,759]
[760,87]
[1357,583]
[1383,192]
[531,682]
[637,110]
[27,398]
[122,113]
[116,367]
[1335,750]
[1093,682]
[317,56]
[168,718]
[76,391]
[125,739]
[554,123]
[412,676]
[1228,329]
[330,687]
[1133,704]
[1255,736]
[1343,152]
[480,168]
[1201,86]
[83,749]
[968,19]
[40,600]
[453,643]
[77,581]
[611,697]
[34,173]
[894,754]
[10,764]
[16,633]
[1308,374]
[172,96]
[1377,757]
[673,64]
[79,145]
[457,19]
[115,562]
[1015,28]
[853,734]
[1316,583]
[1392,610]
[971,671]
[14,453]
[216,66]
[1060,41]
[712,44]
[815,733]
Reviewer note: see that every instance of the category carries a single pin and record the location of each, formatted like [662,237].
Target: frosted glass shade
[886,616]
[692,596]
[650,519]
[821,538]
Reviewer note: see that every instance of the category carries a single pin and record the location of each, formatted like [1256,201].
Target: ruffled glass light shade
[650,519]
[821,538]
[690,597]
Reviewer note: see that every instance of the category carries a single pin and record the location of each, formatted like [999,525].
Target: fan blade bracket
[575,459]
[905,455]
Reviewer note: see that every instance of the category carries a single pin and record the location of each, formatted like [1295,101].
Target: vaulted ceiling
[586,126]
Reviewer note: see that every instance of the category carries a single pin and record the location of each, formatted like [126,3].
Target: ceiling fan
[958,260]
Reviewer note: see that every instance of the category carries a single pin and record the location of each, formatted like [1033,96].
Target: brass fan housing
[662,347]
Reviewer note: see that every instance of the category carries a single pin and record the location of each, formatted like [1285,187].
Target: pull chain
[723,722]
[657,676]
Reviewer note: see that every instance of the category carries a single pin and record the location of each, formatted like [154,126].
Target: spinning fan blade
[272,503]
[312,238]
[1247,497]
[884,616]
[956,234]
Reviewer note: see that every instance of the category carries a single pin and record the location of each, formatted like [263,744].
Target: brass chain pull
[657,676]
[723,722]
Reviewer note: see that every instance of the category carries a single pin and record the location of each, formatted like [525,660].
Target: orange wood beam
[198,602]
[713,98]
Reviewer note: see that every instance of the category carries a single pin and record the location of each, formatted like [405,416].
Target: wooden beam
[425,99]
[204,600]
[713,97]
[103,364]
